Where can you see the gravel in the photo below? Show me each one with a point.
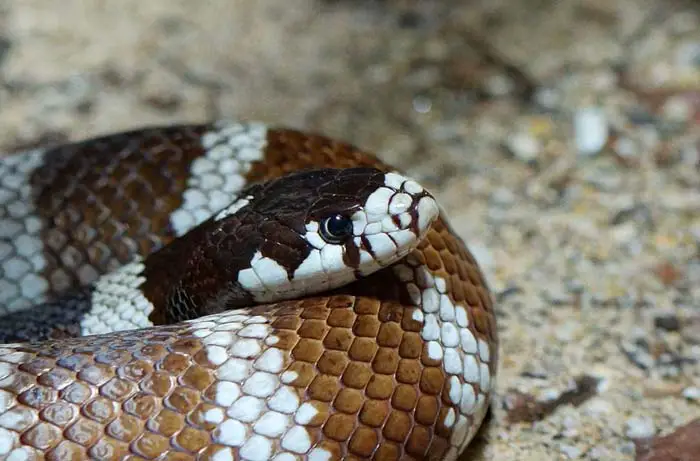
(564, 145)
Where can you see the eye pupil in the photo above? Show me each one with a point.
(336, 228)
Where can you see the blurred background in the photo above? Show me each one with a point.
(562, 137)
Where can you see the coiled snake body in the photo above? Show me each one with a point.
(232, 291)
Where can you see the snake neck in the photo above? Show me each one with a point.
(196, 275)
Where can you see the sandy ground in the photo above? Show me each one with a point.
(561, 136)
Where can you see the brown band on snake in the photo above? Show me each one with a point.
(90, 199)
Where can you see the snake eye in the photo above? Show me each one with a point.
(336, 228)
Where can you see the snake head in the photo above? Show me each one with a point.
(328, 227)
(300, 234)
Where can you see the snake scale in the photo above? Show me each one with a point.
(231, 290)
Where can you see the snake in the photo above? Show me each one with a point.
(234, 290)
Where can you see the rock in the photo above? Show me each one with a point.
(692, 393)
(640, 427)
(668, 322)
(524, 146)
(683, 444)
(591, 130)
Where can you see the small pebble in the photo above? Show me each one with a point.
(503, 197)
(599, 408)
(499, 85)
(524, 146)
(641, 116)
(692, 393)
(667, 322)
(422, 105)
(678, 109)
(640, 427)
(637, 351)
(567, 331)
(688, 56)
(547, 98)
(626, 148)
(550, 394)
(690, 155)
(591, 130)
(627, 448)
(570, 451)
(599, 453)
(604, 178)
(556, 295)
(572, 426)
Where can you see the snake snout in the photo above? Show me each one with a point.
(393, 220)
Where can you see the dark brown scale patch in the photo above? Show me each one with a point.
(333, 363)
(90, 197)
(339, 427)
(351, 256)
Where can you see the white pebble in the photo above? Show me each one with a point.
(524, 146)
(591, 130)
(692, 393)
(570, 451)
(640, 427)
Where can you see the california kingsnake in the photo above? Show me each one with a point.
(242, 244)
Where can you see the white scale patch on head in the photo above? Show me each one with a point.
(465, 358)
(117, 302)
(376, 222)
(21, 244)
(218, 175)
(263, 415)
(267, 280)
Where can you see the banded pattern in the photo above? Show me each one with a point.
(89, 208)
(399, 365)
